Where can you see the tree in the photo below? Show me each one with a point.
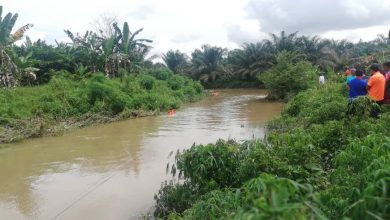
(110, 53)
(10, 74)
(288, 76)
(176, 61)
(207, 63)
(336, 54)
(87, 50)
(283, 41)
(124, 50)
(250, 60)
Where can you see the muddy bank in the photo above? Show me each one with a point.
(18, 130)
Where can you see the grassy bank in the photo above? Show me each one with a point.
(69, 101)
(322, 159)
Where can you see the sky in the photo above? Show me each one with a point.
(187, 24)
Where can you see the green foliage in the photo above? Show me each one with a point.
(362, 107)
(207, 63)
(264, 197)
(161, 73)
(211, 165)
(361, 179)
(176, 82)
(318, 105)
(146, 82)
(174, 198)
(176, 61)
(321, 159)
(64, 98)
(288, 76)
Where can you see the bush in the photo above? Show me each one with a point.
(147, 82)
(174, 198)
(288, 76)
(318, 105)
(265, 197)
(176, 82)
(64, 97)
(161, 73)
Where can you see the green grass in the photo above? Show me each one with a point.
(65, 98)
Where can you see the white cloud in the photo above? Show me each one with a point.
(185, 25)
(318, 16)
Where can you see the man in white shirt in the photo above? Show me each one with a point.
(322, 79)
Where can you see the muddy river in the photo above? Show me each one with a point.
(112, 171)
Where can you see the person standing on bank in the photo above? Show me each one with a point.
(321, 79)
(386, 71)
(357, 86)
(376, 84)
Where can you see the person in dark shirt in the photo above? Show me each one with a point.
(386, 72)
(357, 86)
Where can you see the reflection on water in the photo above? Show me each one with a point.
(112, 171)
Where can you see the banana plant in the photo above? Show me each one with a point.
(132, 50)
(128, 42)
(87, 49)
(10, 74)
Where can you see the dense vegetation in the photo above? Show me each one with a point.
(321, 159)
(219, 67)
(33, 111)
(95, 78)
(117, 47)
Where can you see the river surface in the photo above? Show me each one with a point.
(112, 171)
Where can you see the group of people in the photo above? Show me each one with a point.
(376, 85)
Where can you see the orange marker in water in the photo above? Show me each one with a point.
(171, 112)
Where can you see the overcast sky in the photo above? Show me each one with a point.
(187, 24)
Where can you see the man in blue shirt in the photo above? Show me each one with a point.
(352, 76)
(357, 86)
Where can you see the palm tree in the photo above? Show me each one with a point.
(311, 47)
(207, 63)
(10, 74)
(283, 42)
(252, 59)
(175, 61)
(336, 54)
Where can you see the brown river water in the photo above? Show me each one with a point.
(112, 171)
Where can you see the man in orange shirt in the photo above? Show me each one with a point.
(376, 84)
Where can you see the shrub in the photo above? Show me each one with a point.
(174, 198)
(318, 105)
(288, 76)
(161, 73)
(147, 82)
(211, 165)
(265, 197)
(176, 82)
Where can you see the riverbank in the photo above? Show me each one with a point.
(18, 130)
(322, 159)
(66, 103)
(122, 163)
